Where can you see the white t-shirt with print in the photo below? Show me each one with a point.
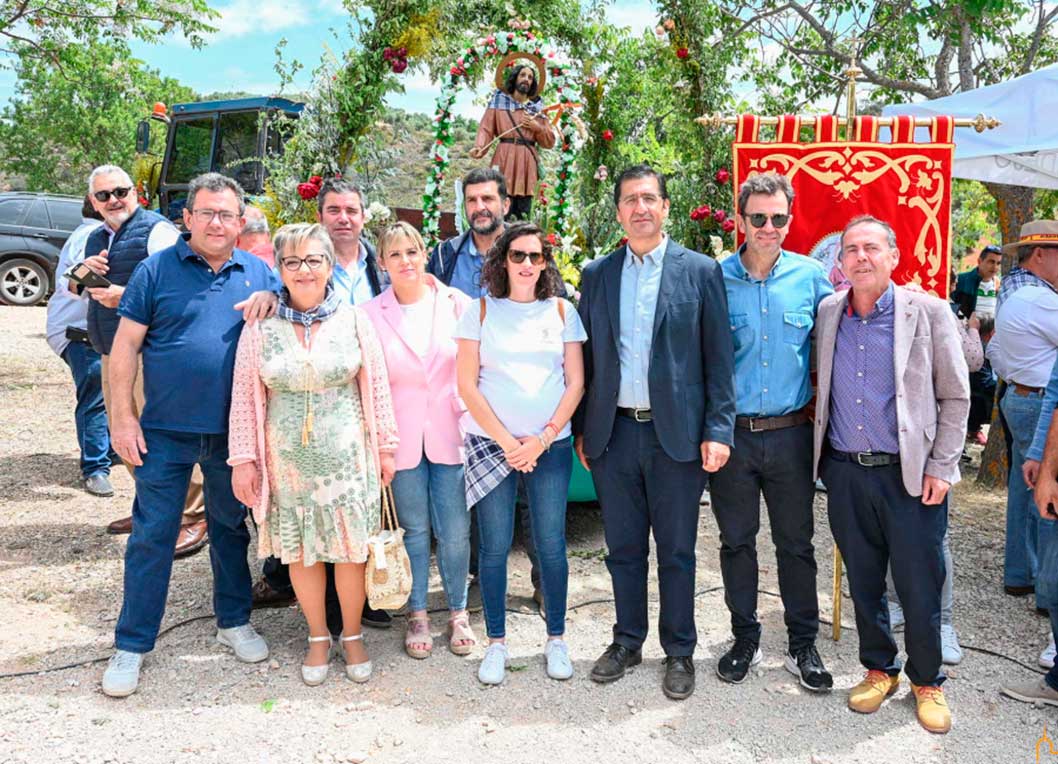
(521, 356)
(986, 297)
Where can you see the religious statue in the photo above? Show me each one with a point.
(516, 124)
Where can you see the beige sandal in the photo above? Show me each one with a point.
(459, 631)
(418, 634)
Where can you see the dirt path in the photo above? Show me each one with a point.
(60, 588)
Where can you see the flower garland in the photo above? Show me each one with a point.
(466, 67)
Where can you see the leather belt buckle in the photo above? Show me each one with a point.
(866, 459)
(753, 425)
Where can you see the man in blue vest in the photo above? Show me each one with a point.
(128, 235)
(177, 309)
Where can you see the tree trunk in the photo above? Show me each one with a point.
(1015, 208)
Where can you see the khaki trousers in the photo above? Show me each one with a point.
(194, 506)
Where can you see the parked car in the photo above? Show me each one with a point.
(33, 228)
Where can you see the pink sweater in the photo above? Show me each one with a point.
(249, 399)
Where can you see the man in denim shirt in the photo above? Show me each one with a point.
(772, 297)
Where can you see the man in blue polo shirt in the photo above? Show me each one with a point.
(178, 309)
(772, 297)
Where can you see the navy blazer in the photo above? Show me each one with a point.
(692, 356)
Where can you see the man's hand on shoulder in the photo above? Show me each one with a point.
(258, 306)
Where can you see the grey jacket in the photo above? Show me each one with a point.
(932, 384)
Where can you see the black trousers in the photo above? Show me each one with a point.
(982, 395)
(875, 521)
(777, 463)
(642, 490)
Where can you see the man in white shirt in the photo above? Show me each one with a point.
(67, 332)
(1022, 352)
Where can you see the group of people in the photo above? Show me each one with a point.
(461, 378)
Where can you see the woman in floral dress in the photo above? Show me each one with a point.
(312, 440)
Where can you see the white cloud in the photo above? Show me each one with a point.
(637, 16)
(247, 17)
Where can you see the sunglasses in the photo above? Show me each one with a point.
(759, 219)
(118, 193)
(518, 256)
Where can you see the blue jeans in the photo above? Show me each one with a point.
(547, 487)
(433, 496)
(161, 490)
(90, 415)
(1047, 597)
(1028, 535)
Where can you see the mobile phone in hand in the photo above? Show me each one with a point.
(84, 276)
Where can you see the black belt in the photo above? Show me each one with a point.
(640, 415)
(866, 458)
(766, 423)
(518, 141)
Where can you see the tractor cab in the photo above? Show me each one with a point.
(231, 137)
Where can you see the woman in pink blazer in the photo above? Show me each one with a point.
(415, 319)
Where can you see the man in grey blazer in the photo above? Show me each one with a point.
(657, 416)
(890, 423)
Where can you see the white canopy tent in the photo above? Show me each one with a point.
(1023, 151)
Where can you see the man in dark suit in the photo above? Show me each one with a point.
(658, 415)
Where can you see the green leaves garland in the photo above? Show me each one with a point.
(467, 67)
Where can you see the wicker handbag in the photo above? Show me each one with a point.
(387, 575)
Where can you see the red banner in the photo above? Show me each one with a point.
(904, 183)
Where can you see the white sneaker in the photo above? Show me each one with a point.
(950, 651)
(249, 646)
(493, 666)
(1047, 656)
(896, 616)
(556, 653)
(122, 676)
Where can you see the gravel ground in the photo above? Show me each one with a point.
(60, 591)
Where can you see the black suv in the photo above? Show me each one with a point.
(33, 228)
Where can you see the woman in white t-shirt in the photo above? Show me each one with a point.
(415, 319)
(521, 376)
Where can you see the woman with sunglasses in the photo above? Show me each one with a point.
(312, 440)
(521, 375)
(415, 319)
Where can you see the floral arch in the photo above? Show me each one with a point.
(468, 66)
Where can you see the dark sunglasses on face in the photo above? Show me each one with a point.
(518, 256)
(293, 264)
(119, 193)
(759, 219)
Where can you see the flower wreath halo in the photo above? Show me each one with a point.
(517, 43)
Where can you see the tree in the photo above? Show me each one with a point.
(61, 123)
(44, 30)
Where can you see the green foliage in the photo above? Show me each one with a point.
(63, 122)
(973, 219)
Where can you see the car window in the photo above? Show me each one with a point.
(65, 216)
(12, 210)
(37, 217)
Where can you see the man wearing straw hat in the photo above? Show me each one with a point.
(1022, 352)
(515, 123)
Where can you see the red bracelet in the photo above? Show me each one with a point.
(553, 426)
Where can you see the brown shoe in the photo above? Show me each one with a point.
(265, 596)
(191, 539)
(119, 527)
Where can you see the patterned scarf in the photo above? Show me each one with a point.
(505, 102)
(323, 311)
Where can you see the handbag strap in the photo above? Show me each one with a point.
(388, 515)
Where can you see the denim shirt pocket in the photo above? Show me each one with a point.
(741, 330)
(796, 326)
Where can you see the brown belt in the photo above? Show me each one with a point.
(1024, 390)
(766, 423)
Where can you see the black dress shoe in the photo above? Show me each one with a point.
(613, 663)
(376, 619)
(1019, 591)
(808, 667)
(735, 663)
(679, 677)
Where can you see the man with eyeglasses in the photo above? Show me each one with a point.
(656, 419)
(772, 296)
(177, 309)
(128, 235)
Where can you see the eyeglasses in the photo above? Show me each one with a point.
(649, 200)
(518, 256)
(759, 219)
(293, 264)
(227, 217)
(118, 193)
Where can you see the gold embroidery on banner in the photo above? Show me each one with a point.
(847, 168)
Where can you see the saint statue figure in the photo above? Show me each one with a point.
(516, 124)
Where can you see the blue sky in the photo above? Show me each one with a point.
(241, 54)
